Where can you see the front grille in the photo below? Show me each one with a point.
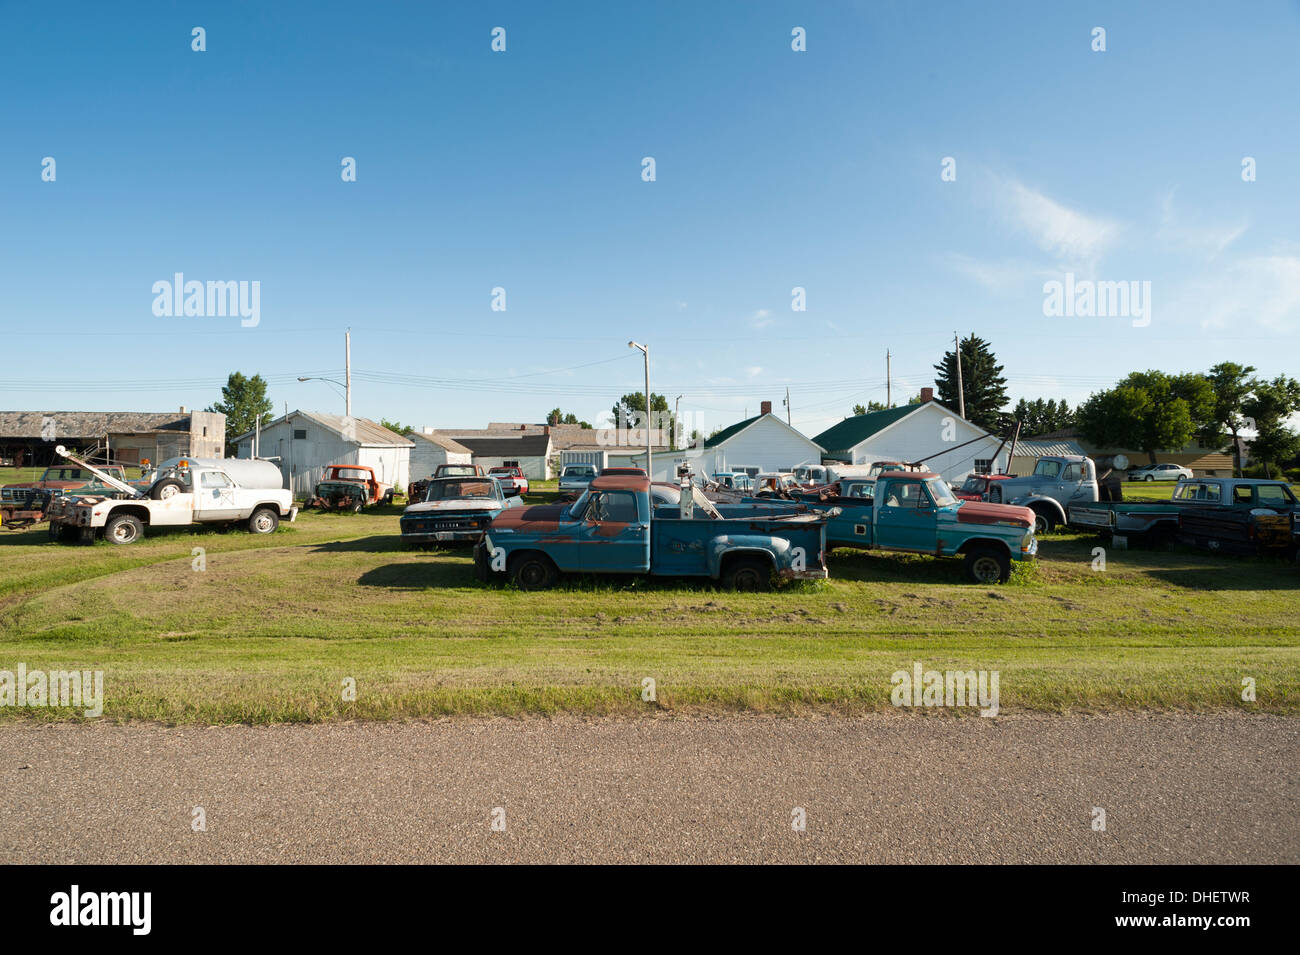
(448, 524)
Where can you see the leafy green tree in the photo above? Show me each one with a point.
(1232, 387)
(630, 409)
(396, 427)
(1148, 411)
(1270, 404)
(1040, 417)
(243, 402)
(559, 417)
(984, 390)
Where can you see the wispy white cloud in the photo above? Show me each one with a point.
(1210, 239)
(1002, 276)
(761, 319)
(1055, 227)
(1261, 290)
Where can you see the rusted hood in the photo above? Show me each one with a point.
(538, 517)
(981, 512)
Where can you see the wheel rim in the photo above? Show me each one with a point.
(171, 490)
(532, 574)
(263, 523)
(987, 569)
(747, 579)
(1040, 525)
(124, 533)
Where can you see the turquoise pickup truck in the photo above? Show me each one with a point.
(623, 525)
(916, 511)
(1163, 519)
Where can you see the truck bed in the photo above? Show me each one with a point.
(693, 548)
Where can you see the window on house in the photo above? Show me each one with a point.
(300, 434)
(983, 465)
(510, 464)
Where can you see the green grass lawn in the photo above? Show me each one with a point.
(272, 627)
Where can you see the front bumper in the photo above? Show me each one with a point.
(819, 573)
(442, 537)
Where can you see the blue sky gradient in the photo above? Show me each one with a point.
(522, 169)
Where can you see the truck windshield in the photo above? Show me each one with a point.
(451, 490)
(351, 474)
(973, 485)
(941, 493)
(581, 470)
(1047, 469)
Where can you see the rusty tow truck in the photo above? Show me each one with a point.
(623, 525)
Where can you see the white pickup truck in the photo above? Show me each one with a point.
(185, 491)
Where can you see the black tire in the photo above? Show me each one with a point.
(123, 529)
(356, 507)
(1149, 477)
(1044, 523)
(167, 487)
(748, 574)
(263, 521)
(534, 571)
(987, 565)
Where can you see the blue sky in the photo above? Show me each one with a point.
(522, 170)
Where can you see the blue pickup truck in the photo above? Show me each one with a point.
(915, 511)
(1208, 498)
(624, 525)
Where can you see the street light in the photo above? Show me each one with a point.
(645, 350)
(331, 381)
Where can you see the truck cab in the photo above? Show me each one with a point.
(1058, 482)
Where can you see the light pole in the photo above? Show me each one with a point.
(645, 350)
(676, 408)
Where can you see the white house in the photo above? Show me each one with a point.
(928, 432)
(529, 452)
(764, 441)
(432, 449)
(305, 443)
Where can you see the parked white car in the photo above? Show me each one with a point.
(1161, 472)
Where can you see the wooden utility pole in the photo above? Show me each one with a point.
(787, 406)
(961, 394)
(889, 399)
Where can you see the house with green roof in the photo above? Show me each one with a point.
(927, 432)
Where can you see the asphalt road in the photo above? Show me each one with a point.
(889, 788)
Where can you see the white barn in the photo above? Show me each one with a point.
(928, 432)
(432, 449)
(764, 441)
(305, 443)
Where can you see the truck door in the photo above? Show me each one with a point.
(214, 498)
(614, 536)
(905, 517)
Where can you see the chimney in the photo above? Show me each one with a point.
(765, 407)
(927, 394)
(183, 411)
